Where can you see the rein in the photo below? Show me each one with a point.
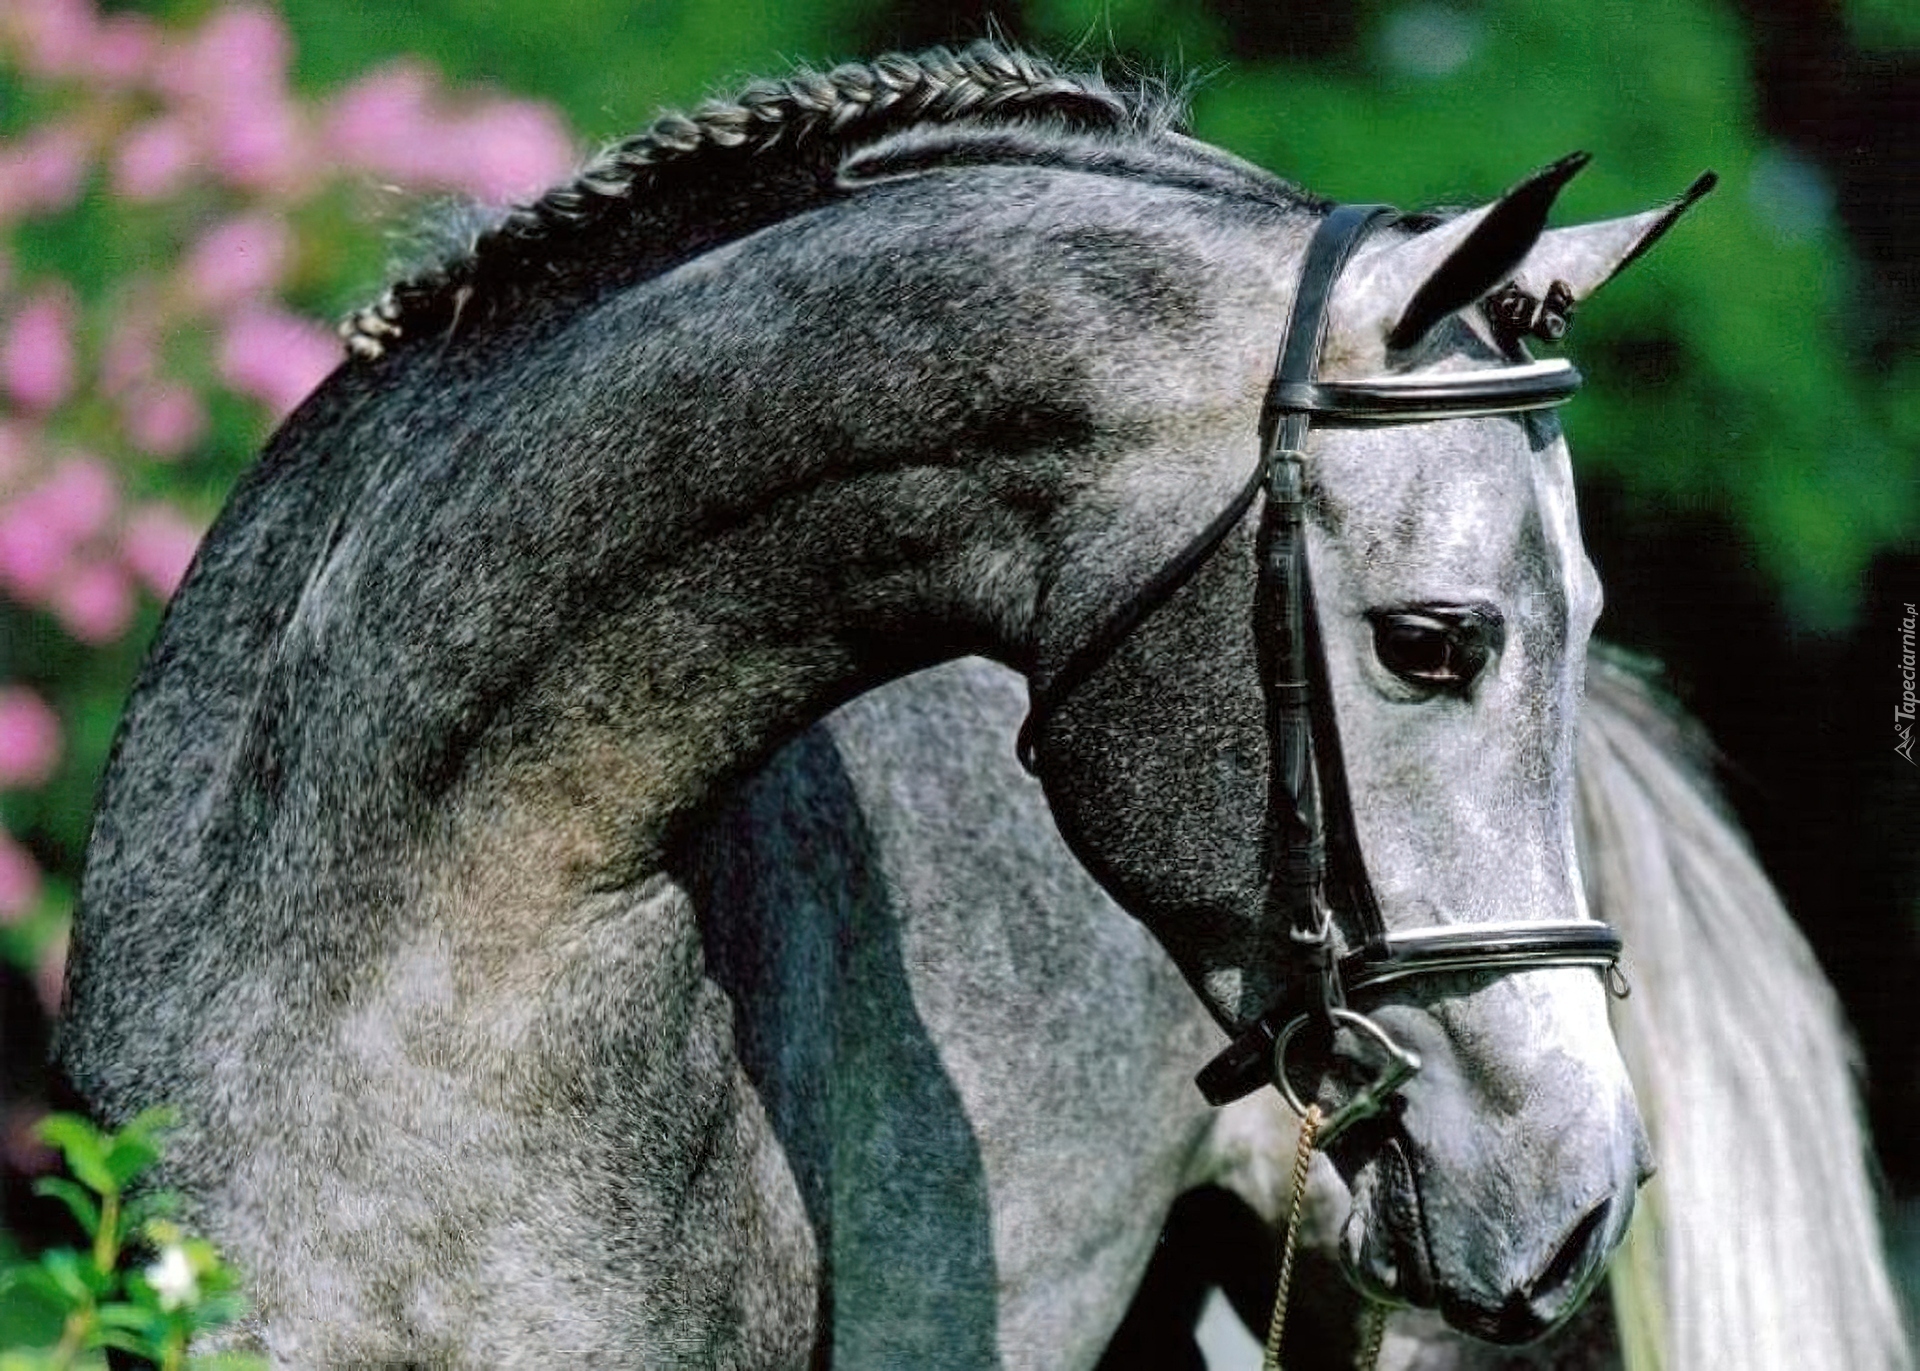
(1316, 875)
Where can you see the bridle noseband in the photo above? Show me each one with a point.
(1315, 870)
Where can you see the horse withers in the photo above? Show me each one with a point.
(391, 891)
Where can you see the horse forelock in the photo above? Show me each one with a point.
(480, 265)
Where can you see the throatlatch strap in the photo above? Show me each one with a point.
(1086, 658)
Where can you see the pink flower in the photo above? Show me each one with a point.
(164, 419)
(242, 257)
(258, 145)
(41, 530)
(123, 48)
(33, 556)
(36, 356)
(155, 159)
(95, 603)
(275, 356)
(29, 738)
(388, 123)
(56, 34)
(240, 50)
(158, 546)
(78, 499)
(43, 172)
(381, 122)
(132, 353)
(514, 149)
(19, 880)
(232, 76)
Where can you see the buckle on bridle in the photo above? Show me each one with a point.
(1313, 955)
(1398, 1066)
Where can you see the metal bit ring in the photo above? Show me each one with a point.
(1401, 1063)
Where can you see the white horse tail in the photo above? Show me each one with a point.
(1758, 1247)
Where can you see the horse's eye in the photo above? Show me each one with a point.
(1437, 647)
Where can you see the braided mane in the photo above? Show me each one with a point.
(811, 113)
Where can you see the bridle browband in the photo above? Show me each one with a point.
(1315, 870)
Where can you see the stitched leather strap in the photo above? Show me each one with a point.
(1309, 819)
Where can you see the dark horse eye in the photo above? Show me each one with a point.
(1438, 647)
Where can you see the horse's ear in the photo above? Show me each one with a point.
(1572, 263)
(1493, 242)
(1397, 291)
(1399, 287)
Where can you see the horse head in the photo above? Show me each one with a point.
(1451, 601)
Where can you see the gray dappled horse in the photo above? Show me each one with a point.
(906, 813)
(404, 889)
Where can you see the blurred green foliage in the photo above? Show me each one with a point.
(607, 63)
(1723, 368)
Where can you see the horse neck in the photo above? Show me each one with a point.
(619, 577)
(598, 566)
(724, 625)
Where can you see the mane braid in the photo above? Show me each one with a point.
(831, 112)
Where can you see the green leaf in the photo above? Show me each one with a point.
(122, 1341)
(152, 1122)
(31, 1308)
(37, 1283)
(150, 1322)
(73, 1280)
(83, 1146)
(77, 1198)
(129, 1155)
(26, 1360)
(149, 1128)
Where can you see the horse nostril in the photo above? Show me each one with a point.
(1550, 1298)
(1574, 1264)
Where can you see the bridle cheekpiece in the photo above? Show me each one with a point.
(1315, 871)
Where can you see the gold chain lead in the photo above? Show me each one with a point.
(1302, 1158)
(1374, 1325)
(1373, 1329)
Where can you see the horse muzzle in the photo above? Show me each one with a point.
(1498, 1207)
(1525, 1294)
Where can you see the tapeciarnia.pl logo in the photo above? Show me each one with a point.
(1903, 712)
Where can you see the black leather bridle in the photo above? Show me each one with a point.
(1315, 871)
